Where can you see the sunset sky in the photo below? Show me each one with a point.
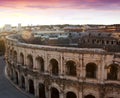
(59, 12)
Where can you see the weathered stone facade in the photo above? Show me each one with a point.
(63, 72)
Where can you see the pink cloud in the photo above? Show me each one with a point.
(73, 4)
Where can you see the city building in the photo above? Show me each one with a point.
(7, 28)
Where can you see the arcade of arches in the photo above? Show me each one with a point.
(55, 73)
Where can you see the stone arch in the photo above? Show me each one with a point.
(91, 70)
(54, 92)
(71, 68)
(40, 63)
(89, 96)
(23, 82)
(42, 90)
(112, 72)
(55, 85)
(91, 91)
(30, 61)
(21, 58)
(54, 67)
(71, 95)
(31, 86)
(71, 89)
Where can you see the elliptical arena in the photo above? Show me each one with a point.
(64, 72)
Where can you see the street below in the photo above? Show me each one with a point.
(7, 90)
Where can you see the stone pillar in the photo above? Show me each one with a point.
(78, 70)
(80, 67)
(105, 73)
(80, 94)
(46, 63)
(36, 88)
(61, 94)
(14, 76)
(25, 59)
(61, 66)
(18, 56)
(34, 63)
(102, 92)
(103, 70)
(47, 91)
(19, 80)
(118, 73)
(84, 71)
(98, 74)
(83, 67)
(26, 84)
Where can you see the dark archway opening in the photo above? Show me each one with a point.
(71, 68)
(22, 58)
(40, 63)
(15, 56)
(31, 87)
(54, 93)
(89, 96)
(42, 91)
(91, 70)
(71, 95)
(112, 72)
(16, 78)
(23, 82)
(30, 61)
(54, 65)
(11, 75)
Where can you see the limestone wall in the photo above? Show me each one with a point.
(63, 72)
